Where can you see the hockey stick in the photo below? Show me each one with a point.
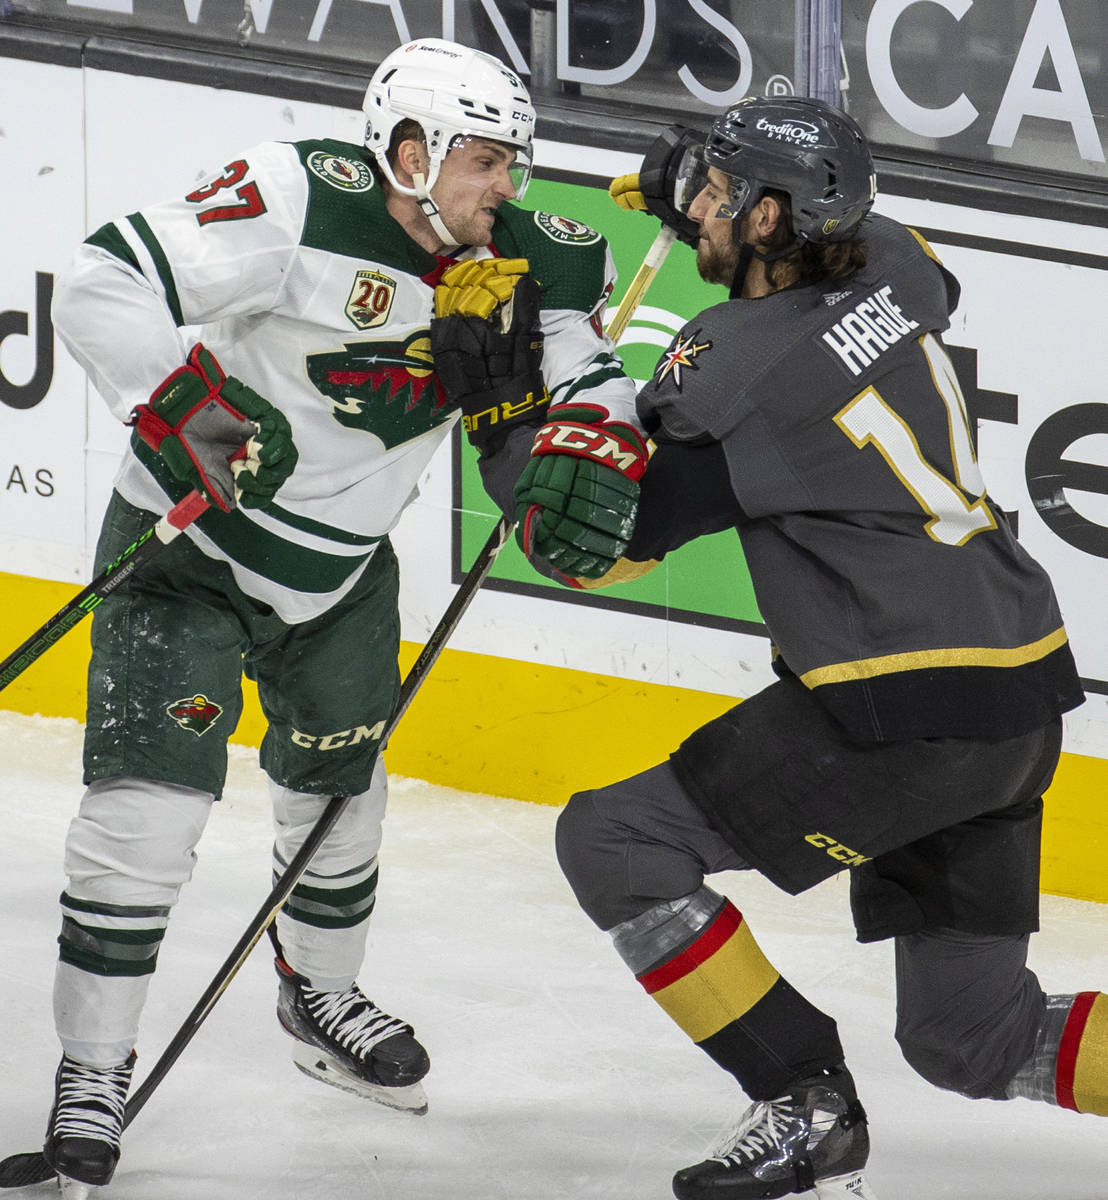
(638, 286)
(140, 551)
(193, 505)
(418, 672)
(23, 1170)
(290, 877)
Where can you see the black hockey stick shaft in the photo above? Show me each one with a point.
(116, 573)
(289, 878)
(435, 644)
(23, 1170)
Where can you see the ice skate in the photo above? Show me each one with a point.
(812, 1142)
(345, 1040)
(86, 1123)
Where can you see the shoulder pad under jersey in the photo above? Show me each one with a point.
(700, 384)
(568, 258)
(740, 354)
(891, 245)
(346, 208)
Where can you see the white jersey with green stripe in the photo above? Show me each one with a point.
(290, 269)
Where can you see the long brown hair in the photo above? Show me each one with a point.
(813, 261)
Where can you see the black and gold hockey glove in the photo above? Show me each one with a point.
(654, 187)
(487, 343)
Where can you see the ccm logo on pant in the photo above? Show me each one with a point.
(336, 741)
(844, 854)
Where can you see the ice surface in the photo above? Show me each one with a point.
(553, 1077)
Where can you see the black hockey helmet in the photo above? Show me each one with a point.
(815, 153)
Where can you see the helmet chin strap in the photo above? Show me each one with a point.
(431, 211)
(747, 253)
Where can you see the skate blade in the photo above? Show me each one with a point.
(314, 1063)
(851, 1186)
(74, 1189)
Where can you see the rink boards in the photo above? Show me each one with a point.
(543, 692)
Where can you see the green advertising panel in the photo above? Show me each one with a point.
(705, 582)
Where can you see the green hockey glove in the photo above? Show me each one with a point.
(577, 497)
(217, 435)
(656, 186)
(487, 343)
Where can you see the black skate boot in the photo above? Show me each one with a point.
(86, 1122)
(345, 1040)
(812, 1141)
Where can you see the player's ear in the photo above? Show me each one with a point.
(768, 215)
(411, 157)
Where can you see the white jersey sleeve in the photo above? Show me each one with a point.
(222, 250)
(114, 323)
(580, 361)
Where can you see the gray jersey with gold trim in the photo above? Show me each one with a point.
(889, 581)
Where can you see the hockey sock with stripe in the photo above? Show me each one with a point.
(1069, 1065)
(719, 987)
(1081, 1077)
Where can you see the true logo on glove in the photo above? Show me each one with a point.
(505, 411)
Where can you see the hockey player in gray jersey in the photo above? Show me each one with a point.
(306, 274)
(923, 661)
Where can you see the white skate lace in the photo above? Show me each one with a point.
(351, 1019)
(91, 1102)
(760, 1129)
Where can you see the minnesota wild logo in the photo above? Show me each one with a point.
(562, 229)
(387, 388)
(195, 713)
(347, 174)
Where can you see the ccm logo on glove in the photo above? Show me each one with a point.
(598, 443)
(578, 494)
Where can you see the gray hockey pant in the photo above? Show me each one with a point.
(969, 1011)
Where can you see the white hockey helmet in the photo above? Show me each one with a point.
(451, 91)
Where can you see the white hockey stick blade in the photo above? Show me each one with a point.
(313, 1062)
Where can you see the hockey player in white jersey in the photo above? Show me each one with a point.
(306, 274)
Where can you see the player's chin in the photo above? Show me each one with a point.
(483, 222)
(705, 260)
(712, 266)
